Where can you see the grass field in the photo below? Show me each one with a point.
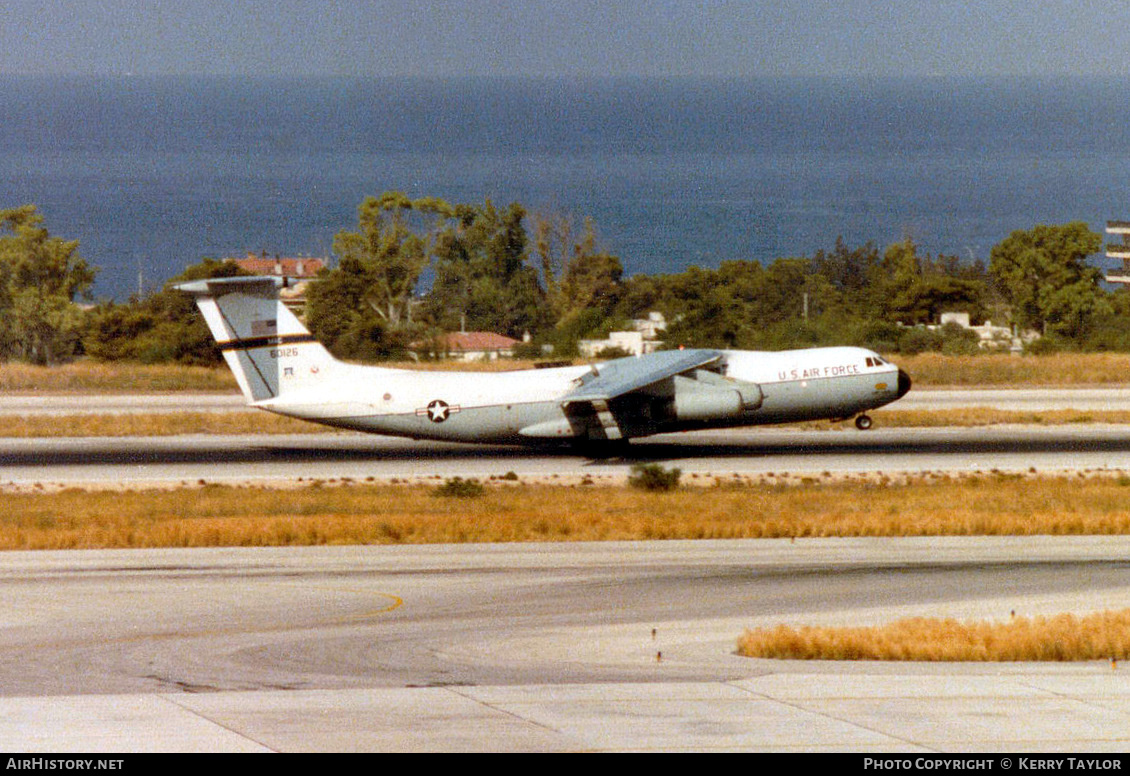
(91, 377)
(769, 506)
(152, 424)
(1098, 636)
(1058, 369)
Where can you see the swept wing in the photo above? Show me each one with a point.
(624, 375)
(630, 396)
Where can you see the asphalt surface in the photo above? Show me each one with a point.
(706, 455)
(557, 647)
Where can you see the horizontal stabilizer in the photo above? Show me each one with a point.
(261, 284)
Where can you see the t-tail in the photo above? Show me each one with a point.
(267, 347)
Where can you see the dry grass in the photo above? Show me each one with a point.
(92, 377)
(1104, 635)
(369, 513)
(1077, 369)
(152, 424)
(990, 416)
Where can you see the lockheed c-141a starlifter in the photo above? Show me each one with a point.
(281, 368)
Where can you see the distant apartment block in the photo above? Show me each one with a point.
(643, 338)
(1119, 250)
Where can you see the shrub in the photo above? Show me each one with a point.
(615, 351)
(918, 339)
(653, 477)
(457, 487)
(959, 341)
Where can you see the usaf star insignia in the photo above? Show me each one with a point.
(438, 411)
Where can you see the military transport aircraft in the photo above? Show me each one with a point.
(283, 369)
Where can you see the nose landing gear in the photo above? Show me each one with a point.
(863, 422)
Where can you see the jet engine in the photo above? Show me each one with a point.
(707, 395)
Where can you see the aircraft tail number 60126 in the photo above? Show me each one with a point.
(281, 368)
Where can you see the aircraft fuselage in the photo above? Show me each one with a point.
(502, 407)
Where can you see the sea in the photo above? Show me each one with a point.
(151, 174)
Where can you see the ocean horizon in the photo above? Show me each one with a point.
(152, 174)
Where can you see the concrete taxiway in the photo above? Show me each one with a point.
(582, 647)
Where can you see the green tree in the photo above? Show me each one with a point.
(163, 327)
(365, 307)
(553, 247)
(483, 278)
(914, 289)
(853, 275)
(340, 316)
(590, 278)
(389, 254)
(1043, 275)
(40, 278)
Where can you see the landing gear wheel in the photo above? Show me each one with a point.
(863, 422)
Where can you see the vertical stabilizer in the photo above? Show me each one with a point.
(267, 347)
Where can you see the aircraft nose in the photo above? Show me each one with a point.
(904, 383)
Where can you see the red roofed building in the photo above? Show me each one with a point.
(472, 345)
(303, 267)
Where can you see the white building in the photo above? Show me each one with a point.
(991, 337)
(644, 338)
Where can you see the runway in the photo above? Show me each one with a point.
(744, 452)
(705, 455)
(582, 647)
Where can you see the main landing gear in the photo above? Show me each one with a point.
(863, 422)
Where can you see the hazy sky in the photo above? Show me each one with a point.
(565, 37)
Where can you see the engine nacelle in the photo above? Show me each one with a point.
(707, 395)
(707, 403)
